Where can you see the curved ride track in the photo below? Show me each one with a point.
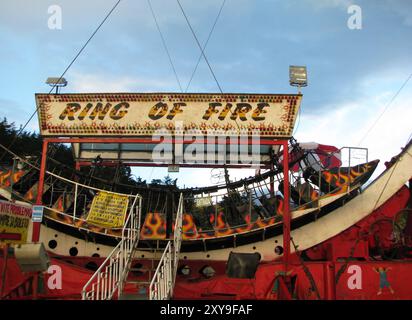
(305, 236)
(307, 230)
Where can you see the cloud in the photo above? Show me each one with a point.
(348, 124)
(324, 4)
(351, 73)
(401, 8)
(31, 16)
(103, 82)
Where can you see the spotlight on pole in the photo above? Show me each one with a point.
(56, 82)
(298, 76)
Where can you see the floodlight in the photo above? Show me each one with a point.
(298, 76)
(32, 257)
(56, 82)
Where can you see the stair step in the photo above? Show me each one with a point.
(140, 269)
(138, 281)
(159, 250)
(133, 296)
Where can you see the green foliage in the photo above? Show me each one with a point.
(30, 144)
(27, 143)
(167, 181)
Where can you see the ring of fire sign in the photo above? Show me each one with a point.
(136, 114)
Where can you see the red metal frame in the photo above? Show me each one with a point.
(19, 292)
(36, 225)
(110, 163)
(4, 271)
(272, 181)
(284, 143)
(286, 211)
(267, 142)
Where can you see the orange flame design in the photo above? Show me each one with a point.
(31, 194)
(188, 227)
(260, 223)
(249, 226)
(222, 228)
(6, 177)
(314, 195)
(279, 207)
(212, 218)
(59, 204)
(154, 227)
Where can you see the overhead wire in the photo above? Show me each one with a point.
(205, 45)
(200, 47)
(204, 56)
(164, 44)
(62, 75)
(385, 109)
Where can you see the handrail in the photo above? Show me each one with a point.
(21, 159)
(177, 236)
(85, 186)
(78, 188)
(162, 284)
(112, 273)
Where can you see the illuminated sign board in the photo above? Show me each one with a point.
(144, 114)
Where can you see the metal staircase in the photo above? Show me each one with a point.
(109, 281)
(162, 284)
(110, 278)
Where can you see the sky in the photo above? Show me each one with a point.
(353, 74)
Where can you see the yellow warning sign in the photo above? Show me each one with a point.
(108, 210)
(14, 222)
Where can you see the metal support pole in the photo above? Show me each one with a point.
(329, 281)
(75, 201)
(13, 170)
(36, 225)
(286, 212)
(169, 213)
(215, 221)
(272, 180)
(77, 168)
(250, 206)
(4, 271)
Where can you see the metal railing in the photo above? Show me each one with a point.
(177, 236)
(109, 279)
(162, 284)
(78, 188)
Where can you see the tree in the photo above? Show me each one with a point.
(60, 157)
